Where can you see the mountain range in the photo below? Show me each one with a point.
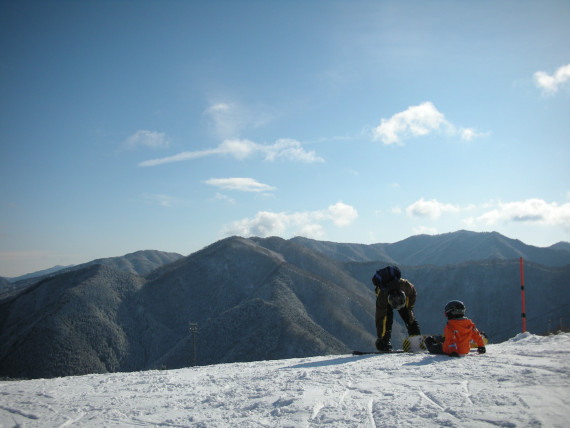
(446, 249)
(138, 263)
(268, 298)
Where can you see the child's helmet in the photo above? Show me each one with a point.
(397, 298)
(454, 309)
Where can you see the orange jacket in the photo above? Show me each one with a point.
(458, 334)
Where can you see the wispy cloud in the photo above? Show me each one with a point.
(145, 138)
(224, 120)
(241, 149)
(306, 223)
(418, 121)
(161, 200)
(550, 83)
(228, 120)
(288, 149)
(529, 211)
(396, 210)
(432, 209)
(225, 198)
(242, 184)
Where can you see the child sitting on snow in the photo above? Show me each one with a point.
(458, 332)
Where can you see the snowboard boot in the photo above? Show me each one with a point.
(384, 345)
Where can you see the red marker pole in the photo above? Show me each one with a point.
(522, 292)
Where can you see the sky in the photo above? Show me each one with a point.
(168, 125)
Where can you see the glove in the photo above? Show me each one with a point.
(413, 327)
(481, 349)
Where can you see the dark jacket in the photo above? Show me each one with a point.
(382, 303)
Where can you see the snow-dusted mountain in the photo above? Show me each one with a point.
(253, 299)
(250, 303)
(445, 249)
(138, 263)
(522, 382)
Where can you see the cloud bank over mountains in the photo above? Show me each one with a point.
(303, 223)
(531, 210)
(311, 223)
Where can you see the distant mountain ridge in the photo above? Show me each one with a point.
(138, 263)
(264, 298)
(445, 249)
(40, 273)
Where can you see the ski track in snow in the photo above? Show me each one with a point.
(519, 383)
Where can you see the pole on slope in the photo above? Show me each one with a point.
(522, 293)
(193, 331)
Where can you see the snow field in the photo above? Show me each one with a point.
(519, 383)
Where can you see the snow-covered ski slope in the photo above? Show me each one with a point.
(519, 383)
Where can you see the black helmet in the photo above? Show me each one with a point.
(397, 298)
(454, 309)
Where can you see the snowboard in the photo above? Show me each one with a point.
(394, 351)
(416, 343)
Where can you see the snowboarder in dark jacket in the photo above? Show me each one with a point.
(393, 292)
(458, 333)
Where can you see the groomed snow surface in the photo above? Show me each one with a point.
(519, 383)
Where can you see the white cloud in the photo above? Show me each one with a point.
(314, 231)
(550, 83)
(264, 224)
(529, 211)
(342, 214)
(467, 134)
(241, 149)
(418, 121)
(145, 138)
(290, 150)
(425, 230)
(432, 209)
(178, 158)
(305, 223)
(242, 184)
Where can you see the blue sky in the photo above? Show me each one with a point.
(167, 125)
